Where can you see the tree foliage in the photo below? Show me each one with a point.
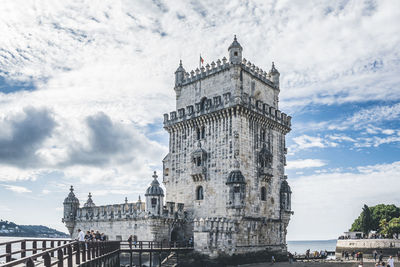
(390, 227)
(366, 220)
(378, 213)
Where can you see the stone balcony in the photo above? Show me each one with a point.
(198, 173)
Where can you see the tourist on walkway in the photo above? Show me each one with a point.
(290, 257)
(390, 261)
(130, 239)
(81, 235)
(375, 254)
(272, 260)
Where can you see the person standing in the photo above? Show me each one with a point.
(390, 261)
(272, 260)
(130, 239)
(380, 256)
(81, 235)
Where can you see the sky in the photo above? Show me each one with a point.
(84, 85)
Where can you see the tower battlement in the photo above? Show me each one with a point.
(218, 103)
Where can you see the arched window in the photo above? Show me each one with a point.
(263, 193)
(153, 202)
(203, 132)
(198, 133)
(262, 135)
(203, 104)
(199, 193)
(198, 161)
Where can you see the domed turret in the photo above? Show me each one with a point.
(274, 75)
(89, 203)
(235, 52)
(154, 189)
(154, 197)
(179, 74)
(71, 205)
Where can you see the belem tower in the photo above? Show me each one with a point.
(224, 174)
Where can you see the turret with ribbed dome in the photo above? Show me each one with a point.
(154, 197)
(235, 52)
(179, 74)
(71, 205)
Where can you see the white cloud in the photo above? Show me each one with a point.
(304, 163)
(10, 173)
(306, 142)
(16, 189)
(326, 204)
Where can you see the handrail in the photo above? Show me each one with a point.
(74, 251)
(35, 256)
(34, 239)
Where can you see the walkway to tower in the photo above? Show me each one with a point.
(63, 252)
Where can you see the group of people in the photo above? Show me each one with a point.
(91, 236)
(316, 254)
(354, 255)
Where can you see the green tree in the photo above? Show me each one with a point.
(378, 213)
(366, 220)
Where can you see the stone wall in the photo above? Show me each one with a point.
(146, 229)
(367, 246)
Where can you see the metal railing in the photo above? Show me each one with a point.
(69, 253)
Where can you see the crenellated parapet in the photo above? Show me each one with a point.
(127, 211)
(111, 212)
(218, 103)
(223, 65)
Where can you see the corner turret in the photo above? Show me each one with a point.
(235, 52)
(71, 205)
(179, 74)
(154, 197)
(274, 75)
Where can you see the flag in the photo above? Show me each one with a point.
(201, 60)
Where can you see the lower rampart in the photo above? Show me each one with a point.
(367, 246)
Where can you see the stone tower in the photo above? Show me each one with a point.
(71, 205)
(227, 155)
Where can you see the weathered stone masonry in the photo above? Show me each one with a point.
(224, 173)
(227, 156)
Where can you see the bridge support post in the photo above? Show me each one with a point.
(29, 263)
(77, 255)
(52, 246)
(23, 249)
(83, 251)
(159, 259)
(34, 247)
(47, 260)
(60, 257)
(8, 251)
(130, 258)
(151, 259)
(140, 259)
(69, 251)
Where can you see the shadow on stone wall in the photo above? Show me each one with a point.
(195, 259)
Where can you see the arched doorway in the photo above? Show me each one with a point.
(177, 236)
